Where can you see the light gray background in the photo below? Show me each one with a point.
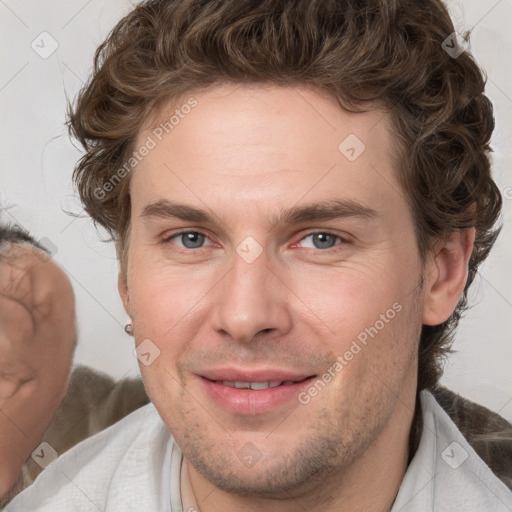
(37, 158)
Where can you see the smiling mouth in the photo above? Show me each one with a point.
(251, 395)
(257, 386)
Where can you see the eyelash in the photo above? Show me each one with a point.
(166, 240)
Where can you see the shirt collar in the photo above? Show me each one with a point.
(445, 472)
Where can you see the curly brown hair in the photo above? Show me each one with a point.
(387, 53)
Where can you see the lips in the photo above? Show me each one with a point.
(253, 375)
(255, 385)
(253, 392)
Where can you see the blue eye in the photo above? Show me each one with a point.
(190, 239)
(323, 239)
(194, 240)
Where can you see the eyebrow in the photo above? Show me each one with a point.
(321, 211)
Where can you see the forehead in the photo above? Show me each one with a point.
(15, 272)
(265, 144)
(21, 254)
(18, 261)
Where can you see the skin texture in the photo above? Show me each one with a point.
(37, 341)
(244, 153)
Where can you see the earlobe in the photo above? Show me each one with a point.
(447, 279)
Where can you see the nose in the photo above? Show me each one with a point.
(251, 300)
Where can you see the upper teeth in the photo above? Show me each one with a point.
(256, 385)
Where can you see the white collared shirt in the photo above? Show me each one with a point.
(134, 465)
(446, 474)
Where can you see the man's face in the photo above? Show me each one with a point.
(251, 297)
(37, 341)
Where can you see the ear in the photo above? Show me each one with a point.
(447, 276)
(122, 286)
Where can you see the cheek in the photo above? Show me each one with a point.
(166, 306)
(348, 299)
(162, 299)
